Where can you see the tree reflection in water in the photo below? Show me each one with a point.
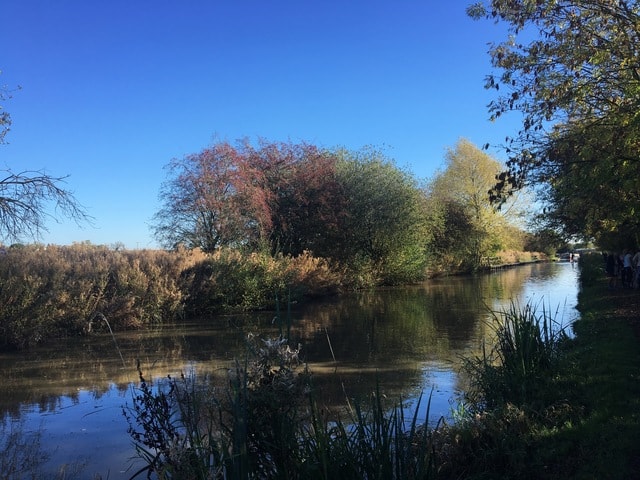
(408, 340)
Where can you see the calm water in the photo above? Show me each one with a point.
(408, 340)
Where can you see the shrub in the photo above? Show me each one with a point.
(591, 269)
(231, 281)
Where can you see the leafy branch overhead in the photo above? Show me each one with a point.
(571, 68)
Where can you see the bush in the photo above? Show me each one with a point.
(591, 269)
(231, 281)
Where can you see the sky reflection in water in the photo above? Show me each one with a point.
(409, 340)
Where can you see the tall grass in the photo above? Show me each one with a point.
(53, 291)
(265, 423)
(522, 362)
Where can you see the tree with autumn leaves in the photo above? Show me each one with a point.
(467, 229)
(280, 196)
(355, 208)
(358, 209)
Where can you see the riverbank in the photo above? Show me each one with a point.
(582, 421)
(604, 363)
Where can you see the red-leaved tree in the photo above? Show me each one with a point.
(281, 195)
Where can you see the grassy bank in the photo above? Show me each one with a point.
(582, 419)
(605, 367)
(601, 381)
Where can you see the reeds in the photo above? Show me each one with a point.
(48, 292)
(265, 423)
(522, 362)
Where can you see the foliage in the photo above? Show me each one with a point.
(282, 195)
(588, 424)
(593, 189)
(571, 69)
(525, 357)
(306, 203)
(383, 234)
(190, 429)
(449, 245)
(544, 240)
(211, 199)
(54, 291)
(228, 280)
(468, 228)
(592, 266)
(265, 424)
(357, 209)
(512, 257)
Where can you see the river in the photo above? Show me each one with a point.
(67, 398)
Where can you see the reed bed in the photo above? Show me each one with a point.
(53, 291)
(524, 358)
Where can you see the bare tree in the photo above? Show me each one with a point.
(25, 196)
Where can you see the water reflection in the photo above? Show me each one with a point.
(407, 340)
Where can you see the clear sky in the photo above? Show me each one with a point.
(112, 90)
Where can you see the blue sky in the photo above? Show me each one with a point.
(112, 90)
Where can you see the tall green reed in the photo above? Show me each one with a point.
(522, 362)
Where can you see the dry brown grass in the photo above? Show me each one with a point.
(69, 290)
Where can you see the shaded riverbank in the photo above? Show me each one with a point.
(589, 425)
(606, 355)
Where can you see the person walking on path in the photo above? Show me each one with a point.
(627, 269)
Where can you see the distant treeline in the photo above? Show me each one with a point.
(245, 228)
(357, 208)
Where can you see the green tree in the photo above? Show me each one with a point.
(449, 244)
(594, 191)
(572, 69)
(384, 227)
(458, 194)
